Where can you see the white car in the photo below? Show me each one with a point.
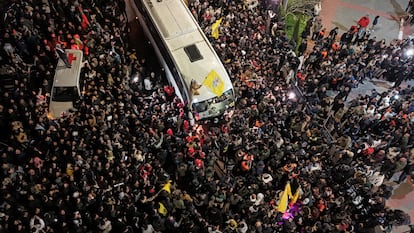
(66, 86)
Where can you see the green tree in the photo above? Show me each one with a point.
(296, 13)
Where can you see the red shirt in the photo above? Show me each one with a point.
(363, 22)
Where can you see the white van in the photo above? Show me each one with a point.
(66, 90)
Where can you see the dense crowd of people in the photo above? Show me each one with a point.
(129, 159)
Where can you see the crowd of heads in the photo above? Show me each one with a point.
(129, 159)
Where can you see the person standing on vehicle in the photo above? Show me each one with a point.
(62, 55)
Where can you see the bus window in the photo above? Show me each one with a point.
(201, 106)
(64, 94)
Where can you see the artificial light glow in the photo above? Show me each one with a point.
(409, 52)
(135, 78)
(291, 95)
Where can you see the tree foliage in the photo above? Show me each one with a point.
(299, 7)
(297, 12)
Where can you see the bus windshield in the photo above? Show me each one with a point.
(201, 106)
(64, 94)
(227, 97)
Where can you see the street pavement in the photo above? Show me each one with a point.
(344, 14)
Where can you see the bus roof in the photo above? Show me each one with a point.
(193, 54)
(170, 21)
(69, 77)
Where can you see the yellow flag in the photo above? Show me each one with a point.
(162, 210)
(167, 187)
(295, 197)
(214, 82)
(215, 28)
(283, 203)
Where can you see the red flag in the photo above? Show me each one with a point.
(86, 50)
(85, 21)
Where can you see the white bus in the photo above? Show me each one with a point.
(66, 89)
(190, 62)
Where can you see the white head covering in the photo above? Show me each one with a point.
(266, 177)
(376, 179)
(259, 198)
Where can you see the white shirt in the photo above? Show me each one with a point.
(147, 84)
(149, 229)
(376, 179)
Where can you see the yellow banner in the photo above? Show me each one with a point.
(214, 82)
(283, 202)
(295, 197)
(162, 210)
(167, 187)
(215, 28)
